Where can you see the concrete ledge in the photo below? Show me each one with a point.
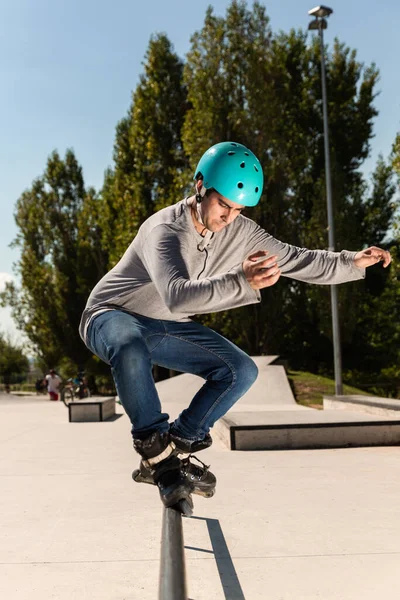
(373, 405)
(92, 409)
(293, 430)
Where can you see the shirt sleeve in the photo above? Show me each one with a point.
(311, 266)
(162, 254)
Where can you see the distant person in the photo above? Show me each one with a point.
(198, 256)
(53, 382)
(80, 381)
(39, 386)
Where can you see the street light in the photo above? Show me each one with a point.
(319, 23)
(319, 12)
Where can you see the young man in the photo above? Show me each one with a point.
(52, 381)
(195, 257)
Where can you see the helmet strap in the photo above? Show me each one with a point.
(200, 194)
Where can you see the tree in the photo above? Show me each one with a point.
(240, 81)
(148, 152)
(396, 155)
(61, 260)
(264, 90)
(13, 361)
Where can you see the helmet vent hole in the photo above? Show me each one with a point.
(231, 153)
(243, 164)
(256, 190)
(233, 144)
(240, 185)
(255, 168)
(246, 154)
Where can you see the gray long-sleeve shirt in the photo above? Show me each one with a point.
(170, 272)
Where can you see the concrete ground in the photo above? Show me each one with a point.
(284, 525)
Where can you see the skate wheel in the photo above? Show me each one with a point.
(135, 473)
(185, 506)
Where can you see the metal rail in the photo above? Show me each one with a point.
(172, 567)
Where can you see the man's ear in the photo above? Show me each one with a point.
(199, 185)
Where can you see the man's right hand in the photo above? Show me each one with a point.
(260, 271)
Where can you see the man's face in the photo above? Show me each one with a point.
(218, 212)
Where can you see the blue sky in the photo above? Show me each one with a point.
(68, 69)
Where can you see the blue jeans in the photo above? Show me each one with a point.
(131, 344)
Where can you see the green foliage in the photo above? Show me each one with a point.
(239, 81)
(61, 260)
(222, 78)
(13, 361)
(396, 154)
(148, 151)
(264, 90)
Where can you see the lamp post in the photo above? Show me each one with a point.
(319, 23)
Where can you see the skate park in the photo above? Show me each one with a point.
(105, 119)
(313, 516)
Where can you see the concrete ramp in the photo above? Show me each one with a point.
(271, 389)
(268, 417)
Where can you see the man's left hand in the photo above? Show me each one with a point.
(371, 256)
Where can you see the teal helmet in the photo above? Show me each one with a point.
(233, 171)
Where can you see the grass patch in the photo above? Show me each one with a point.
(308, 389)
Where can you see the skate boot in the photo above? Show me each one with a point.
(188, 446)
(202, 480)
(167, 472)
(197, 475)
